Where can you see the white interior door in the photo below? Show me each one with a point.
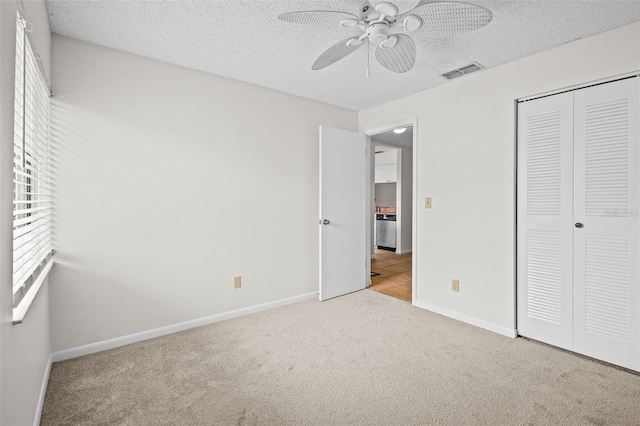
(343, 212)
(545, 219)
(607, 205)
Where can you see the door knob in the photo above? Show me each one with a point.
(579, 225)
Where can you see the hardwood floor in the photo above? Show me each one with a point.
(395, 274)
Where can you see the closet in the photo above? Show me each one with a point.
(578, 221)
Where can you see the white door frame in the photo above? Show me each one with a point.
(413, 122)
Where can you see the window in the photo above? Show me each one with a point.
(31, 175)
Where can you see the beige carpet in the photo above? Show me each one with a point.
(364, 358)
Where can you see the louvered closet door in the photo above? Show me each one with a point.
(607, 190)
(545, 204)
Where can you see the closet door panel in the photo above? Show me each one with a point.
(607, 203)
(545, 180)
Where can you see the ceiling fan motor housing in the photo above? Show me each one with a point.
(378, 32)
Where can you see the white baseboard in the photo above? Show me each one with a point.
(43, 392)
(174, 328)
(469, 320)
(406, 251)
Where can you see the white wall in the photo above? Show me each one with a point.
(405, 199)
(170, 183)
(466, 138)
(24, 348)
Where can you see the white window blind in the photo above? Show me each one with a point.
(31, 171)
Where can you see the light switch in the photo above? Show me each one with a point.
(427, 203)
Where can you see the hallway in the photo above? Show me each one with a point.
(394, 277)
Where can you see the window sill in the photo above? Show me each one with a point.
(21, 310)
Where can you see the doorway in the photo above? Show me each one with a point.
(392, 166)
(391, 274)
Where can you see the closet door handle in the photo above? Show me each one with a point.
(579, 225)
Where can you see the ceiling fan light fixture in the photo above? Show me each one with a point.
(411, 23)
(389, 42)
(387, 9)
(352, 42)
(401, 130)
(348, 23)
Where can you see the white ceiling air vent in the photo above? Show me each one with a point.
(468, 69)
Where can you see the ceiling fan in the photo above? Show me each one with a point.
(385, 26)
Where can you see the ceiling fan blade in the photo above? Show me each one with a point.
(400, 57)
(335, 53)
(416, 3)
(323, 18)
(448, 18)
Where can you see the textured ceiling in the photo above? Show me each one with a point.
(243, 40)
